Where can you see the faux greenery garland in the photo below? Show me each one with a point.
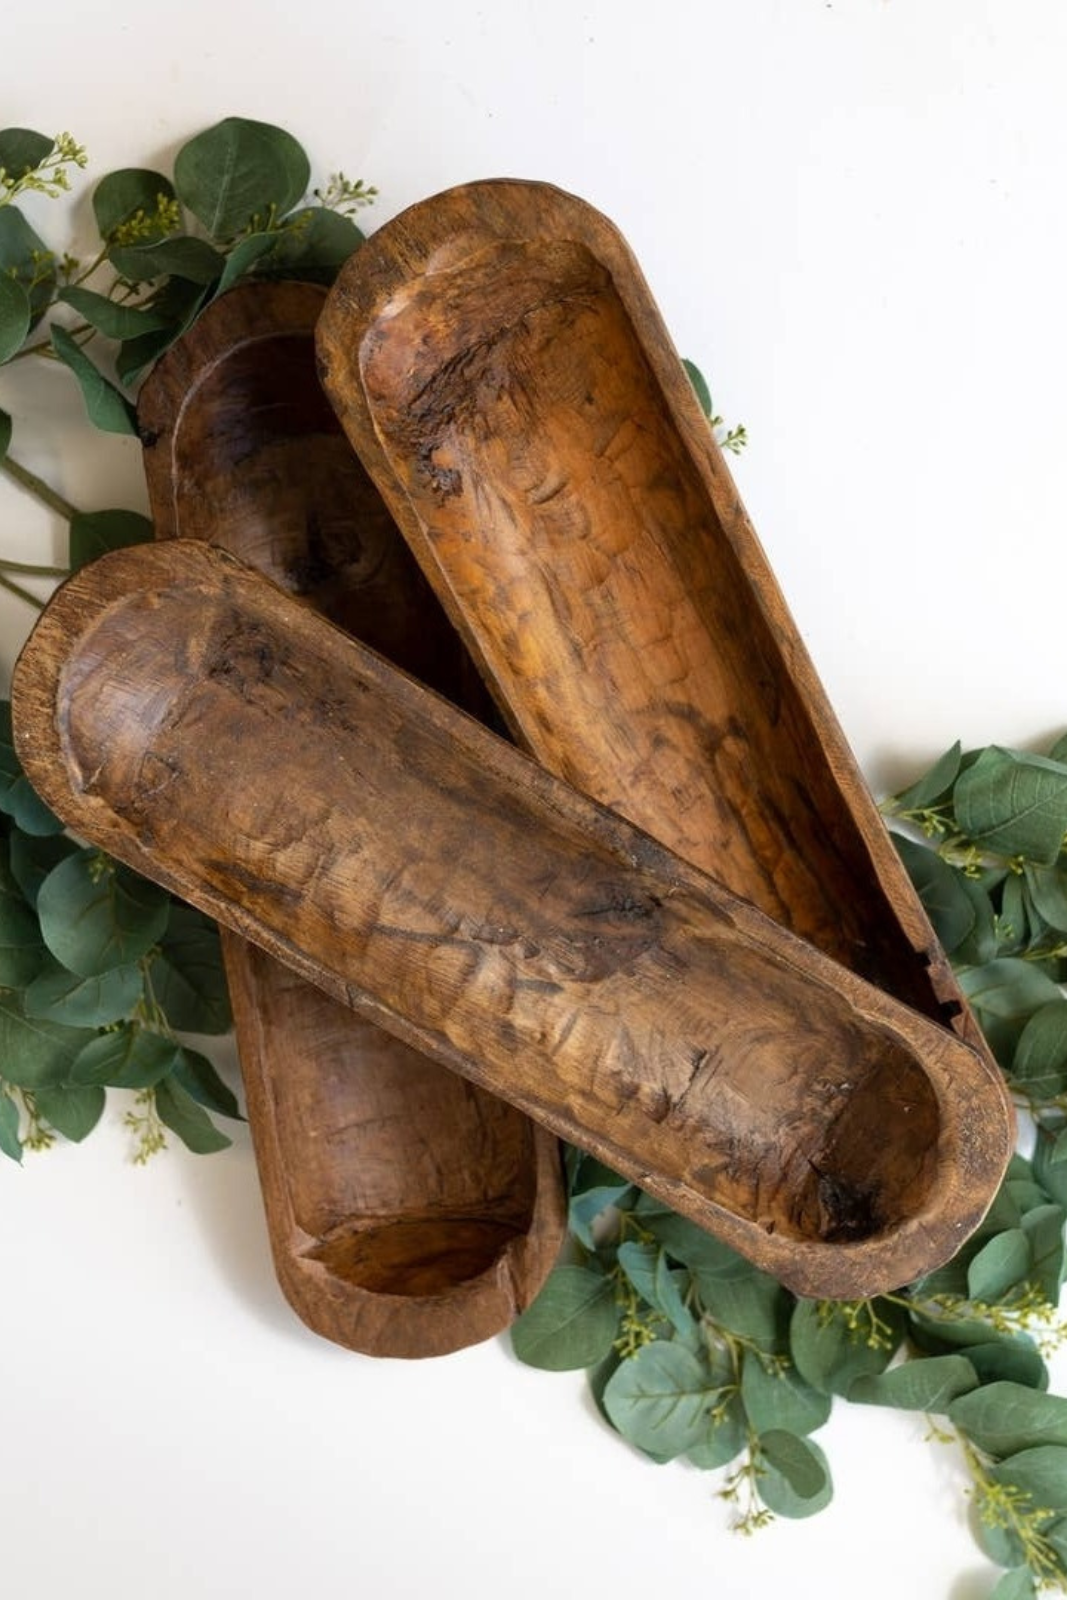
(693, 1353)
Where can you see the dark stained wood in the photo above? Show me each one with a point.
(190, 718)
(410, 1212)
(499, 364)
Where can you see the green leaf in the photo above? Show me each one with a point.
(941, 890)
(1048, 891)
(1040, 1472)
(22, 953)
(688, 1244)
(1004, 1418)
(113, 320)
(60, 996)
(781, 1399)
(571, 1324)
(180, 1113)
(188, 979)
(5, 433)
(925, 1383)
(1043, 1227)
(314, 245)
(1018, 1584)
(755, 1306)
(179, 302)
(108, 410)
(129, 1057)
(593, 1187)
(1011, 1361)
(647, 1268)
(95, 915)
(700, 386)
(21, 151)
(15, 317)
(34, 1054)
(93, 533)
(724, 1439)
(934, 785)
(72, 1109)
(34, 856)
(198, 1078)
(795, 1481)
(238, 174)
(17, 796)
(10, 1143)
(999, 1265)
(181, 256)
(1039, 1064)
(25, 257)
(1014, 803)
(119, 196)
(1003, 994)
(244, 256)
(661, 1399)
(1050, 1162)
(830, 1356)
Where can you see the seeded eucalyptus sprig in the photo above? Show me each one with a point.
(696, 1354)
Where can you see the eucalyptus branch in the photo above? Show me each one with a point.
(20, 593)
(36, 486)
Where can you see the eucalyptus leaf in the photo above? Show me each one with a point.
(130, 192)
(1004, 1418)
(999, 1265)
(927, 1383)
(1014, 928)
(25, 257)
(1043, 1227)
(1004, 993)
(1014, 803)
(188, 979)
(22, 953)
(129, 1057)
(179, 256)
(96, 915)
(688, 1244)
(725, 1437)
(108, 409)
(33, 857)
(781, 1398)
(57, 995)
(982, 944)
(1039, 1064)
(795, 1480)
(831, 1356)
(661, 1399)
(72, 1109)
(15, 317)
(314, 245)
(1048, 891)
(593, 1187)
(934, 785)
(1011, 1361)
(5, 433)
(1039, 1471)
(239, 174)
(10, 1143)
(179, 302)
(245, 255)
(22, 150)
(941, 890)
(700, 386)
(755, 1306)
(34, 1054)
(94, 533)
(182, 1115)
(17, 796)
(1050, 1162)
(1018, 1584)
(198, 1078)
(572, 1322)
(109, 317)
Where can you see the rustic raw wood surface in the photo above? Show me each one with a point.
(409, 1211)
(192, 719)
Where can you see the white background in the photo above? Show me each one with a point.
(852, 214)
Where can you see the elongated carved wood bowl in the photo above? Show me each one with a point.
(188, 716)
(409, 1211)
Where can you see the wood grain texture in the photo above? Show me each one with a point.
(186, 715)
(410, 1212)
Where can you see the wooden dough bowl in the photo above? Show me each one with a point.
(186, 715)
(409, 1211)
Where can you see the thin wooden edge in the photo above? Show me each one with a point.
(833, 1270)
(370, 1322)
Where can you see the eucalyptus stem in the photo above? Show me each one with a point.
(38, 488)
(31, 569)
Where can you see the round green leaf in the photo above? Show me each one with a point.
(314, 245)
(95, 915)
(1018, 1584)
(15, 317)
(781, 1398)
(572, 1322)
(35, 1053)
(238, 173)
(661, 1399)
(1039, 1064)
(119, 197)
(21, 150)
(25, 256)
(93, 533)
(188, 979)
(72, 1109)
(180, 1113)
(1048, 891)
(61, 996)
(33, 857)
(1004, 1418)
(795, 1480)
(828, 1354)
(725, 1438)
(129, 1057)
(1012, 1361)
(927, 1383)
(1040, 1472)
